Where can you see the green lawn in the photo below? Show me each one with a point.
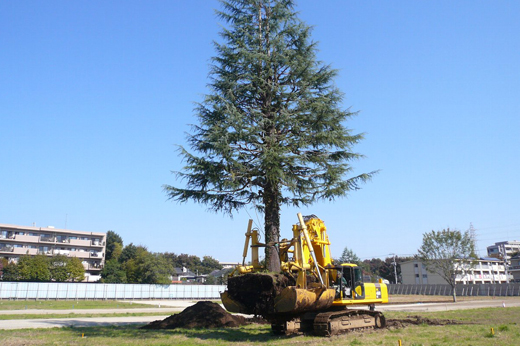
(475, 331)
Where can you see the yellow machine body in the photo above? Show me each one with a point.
(320, 284)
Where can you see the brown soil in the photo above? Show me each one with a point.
(417, 320)
(257, 291)
(204, 314)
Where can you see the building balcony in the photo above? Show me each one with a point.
(6, 249)
(514, 268)
(79, 242)
(94, 267)
(97, 243)
(24, 251)
(27, 238)
(79, 254)
(47, 239)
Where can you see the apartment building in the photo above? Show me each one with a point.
(485, 271)
(514, 268)
(23, 240)
(508, 247)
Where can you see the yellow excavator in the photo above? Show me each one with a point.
(311, 294)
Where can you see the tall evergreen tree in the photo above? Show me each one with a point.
(271, 131)
(114, 245)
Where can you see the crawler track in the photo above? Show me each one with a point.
(337, 322)
(330, 322)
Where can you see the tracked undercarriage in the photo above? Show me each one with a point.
(329, 323)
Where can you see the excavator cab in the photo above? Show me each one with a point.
(347, 279)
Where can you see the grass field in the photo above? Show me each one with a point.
(475, 331)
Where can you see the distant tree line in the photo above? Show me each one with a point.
(135, 264)
(41, 268)
(376, 268)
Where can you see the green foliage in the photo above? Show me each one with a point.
(209, 264)
(114, 245)
(193, 263)
(503, 328)
(385, 269)
(137, 265)
(155, 269)
(58, 268)
(348, 256)
(448, 253)
(113, 272)
(34, 268)
(75, 270)
(211, 280)
(272, 131)
(11, 272)
(128, 253)
(132, 266)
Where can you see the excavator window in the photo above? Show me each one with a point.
(358, 275)
(343, 282)
(359, 287)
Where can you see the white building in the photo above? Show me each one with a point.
(514, 268)
(509, 247)
(89, 247)
(485, 271)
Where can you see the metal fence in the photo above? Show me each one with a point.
(51, 290)
(491, 290)
(76, 291)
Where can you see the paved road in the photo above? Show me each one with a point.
(176, 306)
(78, 322)
(473, 304)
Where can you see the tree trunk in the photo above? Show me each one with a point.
(272, 227)
(454, 295)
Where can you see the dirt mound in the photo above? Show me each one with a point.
(417, 320)
(204, 314)
(258, 291)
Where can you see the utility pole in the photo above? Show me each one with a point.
(395, 268)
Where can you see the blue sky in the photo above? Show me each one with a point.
(95, 95)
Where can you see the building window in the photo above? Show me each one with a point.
(416, 265)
